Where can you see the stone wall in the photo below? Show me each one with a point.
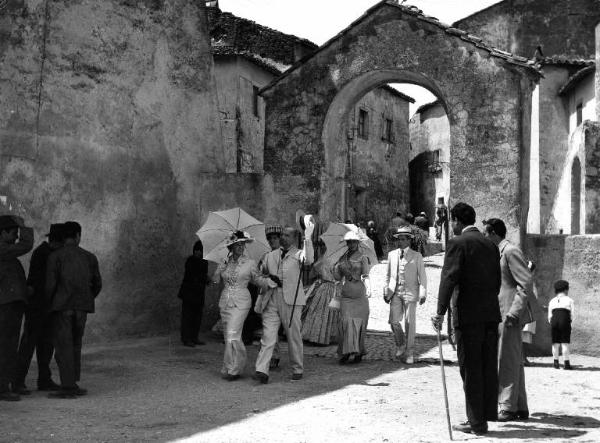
(561, 27)
(577, 260)
(487, 99)
(108, 116)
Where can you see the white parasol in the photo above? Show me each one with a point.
(221, 224)
(336, 246)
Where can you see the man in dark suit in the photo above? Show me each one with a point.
(472, 268)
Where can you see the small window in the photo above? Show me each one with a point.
(579, 111)
(363, 123)
(388, 131)
(255, 98)
(436, 156)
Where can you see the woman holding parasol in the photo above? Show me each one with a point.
(352, 268)
(236, 271)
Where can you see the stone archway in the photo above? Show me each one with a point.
(335, 127)
(486, 95)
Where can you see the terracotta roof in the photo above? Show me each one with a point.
(576, 78)
(427, 106)
(417, 13)
(563, 60)
(268, 65)
(394, 91)
(246, 36)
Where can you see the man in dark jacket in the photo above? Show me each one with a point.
(72, 283)
(191, 293)
(472, 267)
(13, 297)
(37, 332)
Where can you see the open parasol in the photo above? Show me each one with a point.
(333, 238)
(221, 224)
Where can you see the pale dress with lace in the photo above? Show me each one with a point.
(234, 304)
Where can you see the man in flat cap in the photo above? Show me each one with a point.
(72, 283)
(37, 332)
(13, 297)
(406, 284)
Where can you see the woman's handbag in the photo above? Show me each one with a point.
(334, 303)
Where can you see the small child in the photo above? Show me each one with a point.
(560, 316)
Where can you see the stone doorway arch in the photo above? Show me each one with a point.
(335, 127)
(486, 94)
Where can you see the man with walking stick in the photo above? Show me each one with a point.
(472, 264)
(284, 267)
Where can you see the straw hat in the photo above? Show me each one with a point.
(351, 235)
(403, 231)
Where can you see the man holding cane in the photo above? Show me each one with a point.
(284, 267)
(472, 265)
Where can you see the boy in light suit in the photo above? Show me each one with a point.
(406, 284)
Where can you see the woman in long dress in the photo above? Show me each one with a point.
(352, 267)
(319, 322)
(235, 302)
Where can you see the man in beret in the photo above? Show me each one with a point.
(15, 240)
(37, 332)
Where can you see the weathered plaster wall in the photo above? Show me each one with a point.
(584, 145)
(487, 101)
(553, 138)
(374, 160)
(577, 260)
(243, 130)
(561, 27)
(108, 116)
(429, 132)
(584, 94)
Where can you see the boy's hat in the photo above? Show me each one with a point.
(561, 286)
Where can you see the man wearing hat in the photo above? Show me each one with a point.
(284, 266)
(13, 297)
(406, 284)
(37, 332)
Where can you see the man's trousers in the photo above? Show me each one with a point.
(512, 395)
(276, 313)
(400, 309)
(37, 336)
(11, 316)
(68, 326)
(477, 348)
(191, 319)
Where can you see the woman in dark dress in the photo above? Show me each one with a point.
(191, 294)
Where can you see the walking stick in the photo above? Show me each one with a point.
(444, 383)
(296, 294)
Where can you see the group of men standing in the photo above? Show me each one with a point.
(488, 285)
(55, 298)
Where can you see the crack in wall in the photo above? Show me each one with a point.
(41, 81)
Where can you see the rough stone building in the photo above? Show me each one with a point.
(248, 56)
(108, 116)
(485, 93)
